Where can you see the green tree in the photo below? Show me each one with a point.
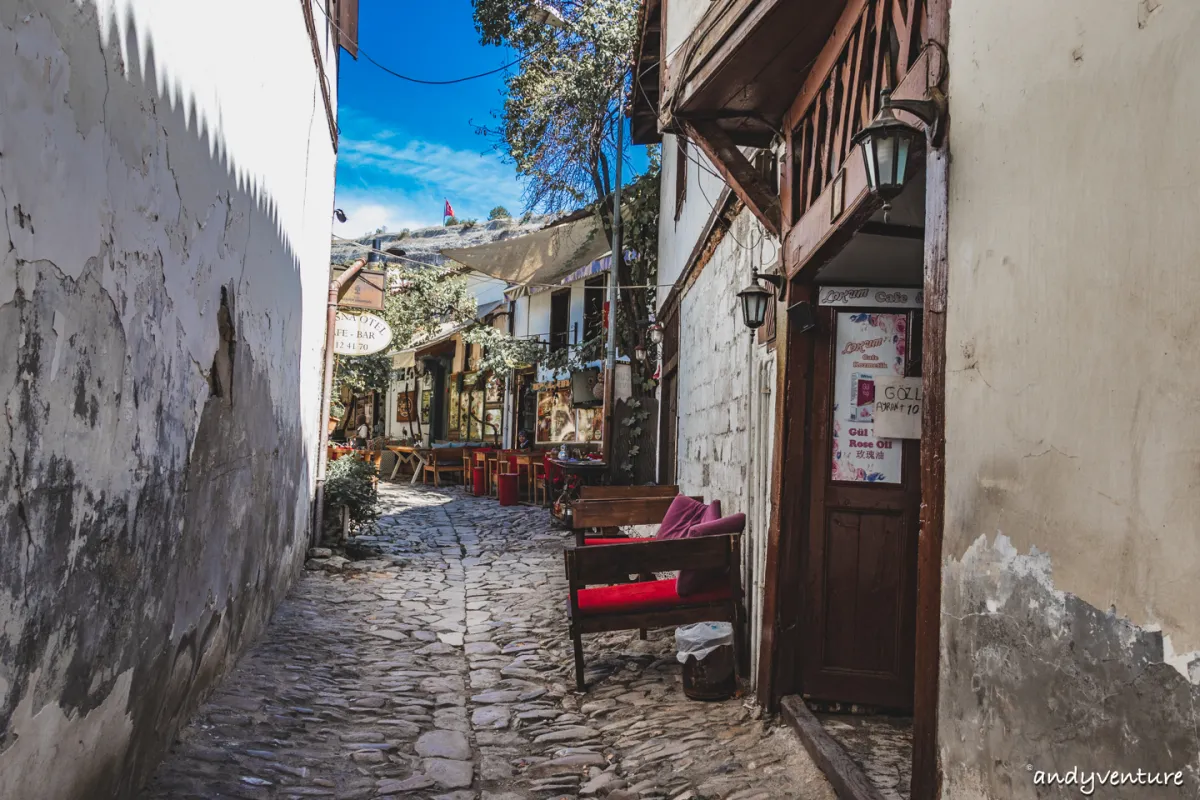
(559, 125)
(419, 301)
(499, 212)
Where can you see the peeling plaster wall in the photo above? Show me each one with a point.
(726, 409)
(1071, 609)
(166, 185)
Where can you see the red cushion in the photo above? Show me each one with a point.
(680, 517)
(693, 582)
(643, 596)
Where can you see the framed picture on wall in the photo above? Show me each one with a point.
(404, 407)
(426, 405)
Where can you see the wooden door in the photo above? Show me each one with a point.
(861, 539)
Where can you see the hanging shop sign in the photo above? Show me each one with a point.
(898, 408)
(360, 335)
(864, 297)
(366, 291)
(869, 347)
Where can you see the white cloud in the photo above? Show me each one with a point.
(402, 183)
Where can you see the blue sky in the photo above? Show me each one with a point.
(404, 147)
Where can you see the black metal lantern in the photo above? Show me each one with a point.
(655, 333)
(888, 144)
(755, 300)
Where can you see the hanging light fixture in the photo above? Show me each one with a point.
(755, 299)
(888, 144)
(655, 333)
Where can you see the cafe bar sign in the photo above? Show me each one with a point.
(870, 297)
(360, 335)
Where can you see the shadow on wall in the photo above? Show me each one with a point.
(153, 468)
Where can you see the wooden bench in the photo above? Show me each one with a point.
(442, 459)
(650, 604)
(609, 515)
(626, 492)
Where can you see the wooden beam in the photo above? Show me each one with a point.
(926, 778)
(746, 182)
(847, 777)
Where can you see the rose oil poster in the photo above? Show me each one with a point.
(868, 346)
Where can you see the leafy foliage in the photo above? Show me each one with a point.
(452, 221)
(559, 125)
(499, 212)
(421, 299)
(349, 483)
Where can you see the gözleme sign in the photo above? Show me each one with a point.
(360, 335)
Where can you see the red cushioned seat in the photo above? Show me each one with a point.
(643, 596)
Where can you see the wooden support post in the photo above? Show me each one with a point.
(746, 182)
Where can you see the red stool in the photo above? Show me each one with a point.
(478, 484)
(507, 483)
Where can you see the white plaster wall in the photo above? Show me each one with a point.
(1073, 258)
(682, 16)
(1073, 372)
(535, 317)
(726, 413)
(677, 238)
(152, 156)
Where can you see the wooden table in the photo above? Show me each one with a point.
(408, 455)
(585, 469)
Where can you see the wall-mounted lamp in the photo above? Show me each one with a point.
(341, 215)
(655, 333)
(755, 299)
(888, 143)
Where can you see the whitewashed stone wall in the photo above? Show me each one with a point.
(726, 411)
(166, 190)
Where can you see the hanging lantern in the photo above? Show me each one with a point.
(888, 145)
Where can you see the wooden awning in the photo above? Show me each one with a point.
(643, 106)
(744, 63)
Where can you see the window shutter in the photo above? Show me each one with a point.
(347, 22)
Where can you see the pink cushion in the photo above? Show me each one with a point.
(642, 596)
(680, 517)
(699, 581)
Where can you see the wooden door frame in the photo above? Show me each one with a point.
(781, 624)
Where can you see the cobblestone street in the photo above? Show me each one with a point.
(441, 669)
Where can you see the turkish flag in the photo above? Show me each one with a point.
(449, 212)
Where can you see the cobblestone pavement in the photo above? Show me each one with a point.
(442, 669)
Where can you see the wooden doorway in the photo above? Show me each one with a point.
(859, 547)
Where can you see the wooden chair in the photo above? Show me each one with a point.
(540, 484)
(442, 459)
(651, 604)
(501, 466)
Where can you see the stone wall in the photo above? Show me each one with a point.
(1070, 608)
(162, 269)
(725, 427)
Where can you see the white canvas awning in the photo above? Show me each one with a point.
(539, 257)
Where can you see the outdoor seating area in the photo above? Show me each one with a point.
(688, 571)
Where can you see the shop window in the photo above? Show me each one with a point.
(594, 291)
(560, 320)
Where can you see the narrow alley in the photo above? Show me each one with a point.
(441, 668)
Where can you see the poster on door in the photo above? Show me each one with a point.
(869, 346)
